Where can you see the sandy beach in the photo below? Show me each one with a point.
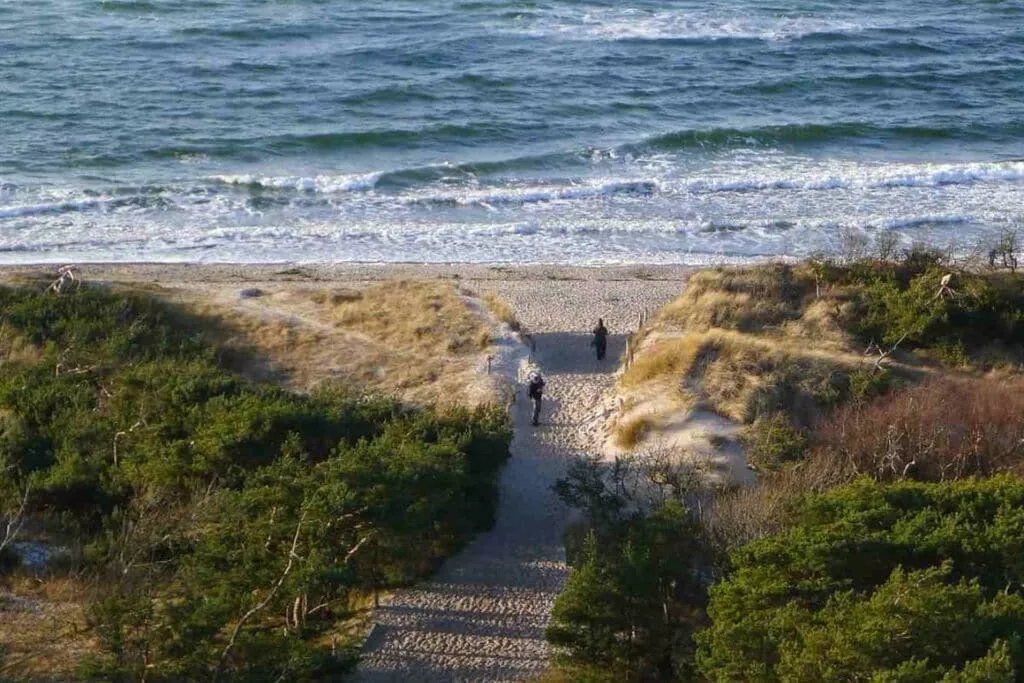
(243, 274)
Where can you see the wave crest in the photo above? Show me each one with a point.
(616, 24)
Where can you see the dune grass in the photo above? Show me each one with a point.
(743, 377)
(419, 340)
(502, 310)
(426, 316)
(632, 431)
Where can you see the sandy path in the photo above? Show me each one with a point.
(482, 616)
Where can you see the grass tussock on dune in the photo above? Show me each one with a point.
(429, 317)
(632, 431)
(743, 377)
(803, 339)
(735, 342)
(419, 340)
(502, 310)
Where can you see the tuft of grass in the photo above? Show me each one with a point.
(335, 296)
(483, 339)
(629, 433)
(670, 360)
(502, 310)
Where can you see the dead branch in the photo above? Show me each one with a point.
(292, 555)
(354, 549)
(944, 288)
(124, 433)
(270, 533)
(65, 276)
(883, 355)
(15, 521)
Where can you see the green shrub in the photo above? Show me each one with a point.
(877, 582)
(636, 594)
(867, 384)
(773, 442)
(194, 496)
(979, 310)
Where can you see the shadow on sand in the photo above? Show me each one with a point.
(570, 353)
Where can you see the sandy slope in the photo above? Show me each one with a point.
(482, 616)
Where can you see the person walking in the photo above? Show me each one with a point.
(600, 342)
(535, 390)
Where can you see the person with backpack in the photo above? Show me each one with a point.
(535, 390)
(600, 342)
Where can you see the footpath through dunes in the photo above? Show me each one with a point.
(482, 616)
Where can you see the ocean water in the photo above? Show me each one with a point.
(556, 131)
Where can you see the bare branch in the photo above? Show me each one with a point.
(292, 554)
(65, 275)
(883, 356)
(15, 521)
(354, 549)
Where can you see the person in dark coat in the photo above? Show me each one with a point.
(535, 390)
(600, 342)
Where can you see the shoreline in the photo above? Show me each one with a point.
(210, 273)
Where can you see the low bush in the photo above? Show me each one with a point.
(773, 442)
(907, 581)
(226, 523)
(939, 430)
(867, 384)
(954, 311)
(636, 594)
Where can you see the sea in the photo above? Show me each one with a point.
(505, 131)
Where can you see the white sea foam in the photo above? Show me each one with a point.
(860, 176)
(760, 203)
(638, 24)
(47, 208)
(533, 194)
(324, 184)
(907, 222)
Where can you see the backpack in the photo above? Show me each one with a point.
(536, 385)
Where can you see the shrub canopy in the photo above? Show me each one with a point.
(905, 581)
(227, 522)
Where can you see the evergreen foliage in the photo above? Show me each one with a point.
(908, 581)
(227, 523)
(635, 596)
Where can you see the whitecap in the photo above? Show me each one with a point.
(322, 184)
(613, 24)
